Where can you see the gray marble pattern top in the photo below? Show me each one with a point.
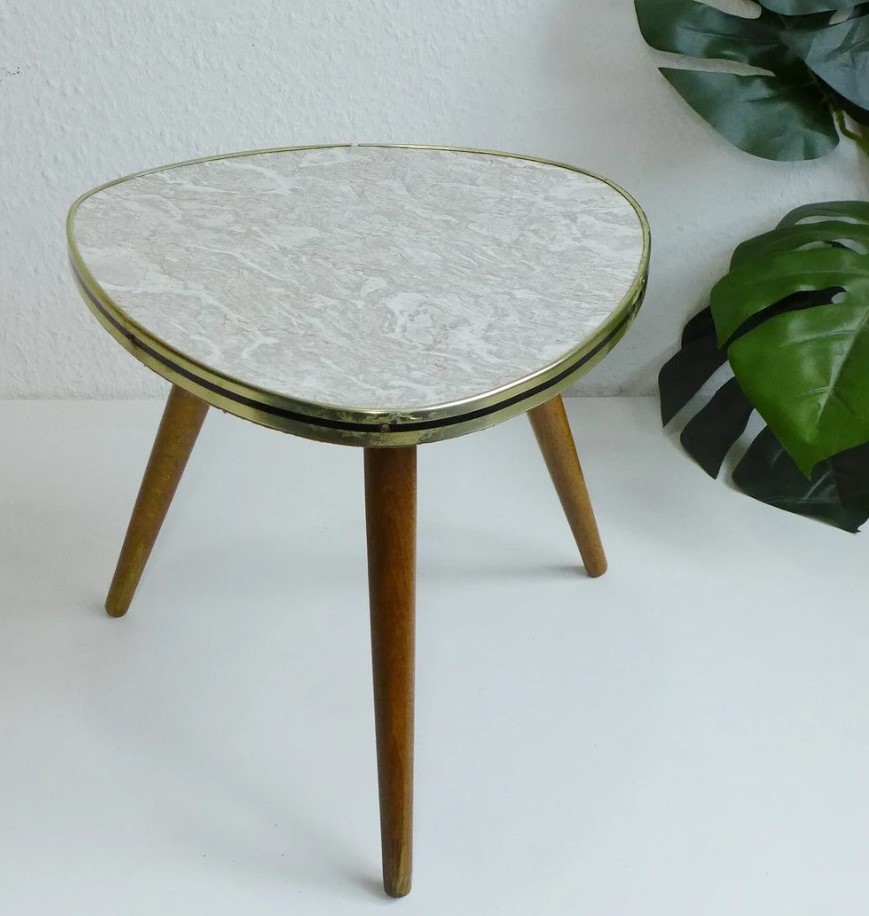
(365, 277)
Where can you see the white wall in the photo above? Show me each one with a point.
(98, 88)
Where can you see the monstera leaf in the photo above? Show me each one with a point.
(791, 319)
(838, 55)
(808, 72)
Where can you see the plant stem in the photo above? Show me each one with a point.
(863, 141)
(859, 136)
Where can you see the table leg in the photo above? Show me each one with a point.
(182, 420)
(390, 509)
(552, 429)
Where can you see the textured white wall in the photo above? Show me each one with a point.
(98, 88)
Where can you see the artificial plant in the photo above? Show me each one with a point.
(790, 321)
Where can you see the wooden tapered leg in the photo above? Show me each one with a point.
(390, 511)
(552, 429)
(182, 420)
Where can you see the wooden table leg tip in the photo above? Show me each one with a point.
(115, 609)
(398, 888)
(595, 570)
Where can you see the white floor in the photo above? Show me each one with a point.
(687, 735)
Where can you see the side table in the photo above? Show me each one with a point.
(366, 295)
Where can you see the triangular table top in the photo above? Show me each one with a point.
(364, 294)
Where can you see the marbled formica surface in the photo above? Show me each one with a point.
(365, 277)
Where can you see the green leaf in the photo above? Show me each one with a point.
(757, 286)
(762, 115)
(804, 369)
(806, 372)
(838, 54)
(856, 210)
(696, 30)
(836, 492)
(852, 478)
(793, 238)
(682, 376)
(713, 431)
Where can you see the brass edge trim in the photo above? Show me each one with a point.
(334, 423)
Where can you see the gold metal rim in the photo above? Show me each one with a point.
(332, 423)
